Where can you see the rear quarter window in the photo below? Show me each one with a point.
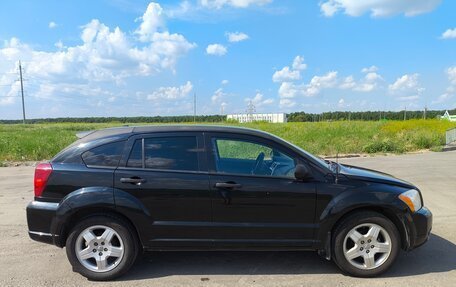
(107, 155)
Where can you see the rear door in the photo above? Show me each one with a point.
(167, 173)
(257, 201)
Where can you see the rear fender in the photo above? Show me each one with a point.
(101, 199)
(84, 198)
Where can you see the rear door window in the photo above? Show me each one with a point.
(107, 155)
(165, 153)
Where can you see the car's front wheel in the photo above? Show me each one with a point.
(101, 247)
(365, 244)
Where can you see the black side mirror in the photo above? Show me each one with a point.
(302, 172)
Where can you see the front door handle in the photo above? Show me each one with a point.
(229, 185)
(133, 180)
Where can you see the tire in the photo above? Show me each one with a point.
(102, 247)
(375, 250)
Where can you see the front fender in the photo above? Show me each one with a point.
(378, 197)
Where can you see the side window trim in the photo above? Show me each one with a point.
(143, 156)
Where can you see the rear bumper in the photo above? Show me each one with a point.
(40, 218)
(421, 226)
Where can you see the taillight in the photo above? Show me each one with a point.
(42, 172)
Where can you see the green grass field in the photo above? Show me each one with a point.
(42, 141)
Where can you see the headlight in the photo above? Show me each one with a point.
(412, 198)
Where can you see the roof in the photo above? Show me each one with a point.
(127, 131)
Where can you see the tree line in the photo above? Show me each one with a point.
(366, 115)
(292, 117)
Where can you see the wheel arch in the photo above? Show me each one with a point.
(387, 212)
(89, 201)
(91, 211)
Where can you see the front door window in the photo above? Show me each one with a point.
(233, 156)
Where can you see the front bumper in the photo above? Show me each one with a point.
(420, 227)
(40, 218)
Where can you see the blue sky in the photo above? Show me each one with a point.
(142, 58)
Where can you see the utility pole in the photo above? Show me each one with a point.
(405, 113)
(22, 92)
(250, 110)
(222, 109)
(194, 107)
(425, 110)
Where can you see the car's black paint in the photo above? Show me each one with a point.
(203, 209)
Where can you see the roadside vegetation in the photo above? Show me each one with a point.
(34, 142)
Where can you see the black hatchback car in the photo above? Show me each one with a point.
(117, 192)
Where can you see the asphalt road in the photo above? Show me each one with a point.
(24, 262)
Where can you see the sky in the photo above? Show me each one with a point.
(141, 58)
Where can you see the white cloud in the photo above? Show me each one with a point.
(406, 88)
(287, 103)
(218, 96)
(298, 63)
(152, 20)
(341, 103)
(409, 98)
(329, 80)
(103, 55)
(218, 4)
(216, 50)
(59, 44)
(451, 72)
(290, 74)
(225, 82)
(52, 25)
(378, 8)
(368, 83)
(451, 89)
(286, 75)
(11, 96)
(442, 98)
(405, 82)
(289, 90)
(370, 69)
(237, 37)
(348, 83)
(259, 101)
(449, 34)
(171, 93)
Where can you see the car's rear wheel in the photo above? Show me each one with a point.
(365, 244)
(102, 247)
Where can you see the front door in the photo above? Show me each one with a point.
(256, 199)
(167, 173)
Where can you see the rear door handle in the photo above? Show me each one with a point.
(230, 185)
(133, 180)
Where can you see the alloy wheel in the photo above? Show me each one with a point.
(99, 248)
(367, 246)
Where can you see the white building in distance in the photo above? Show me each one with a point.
(248, 118)
(447, 116)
